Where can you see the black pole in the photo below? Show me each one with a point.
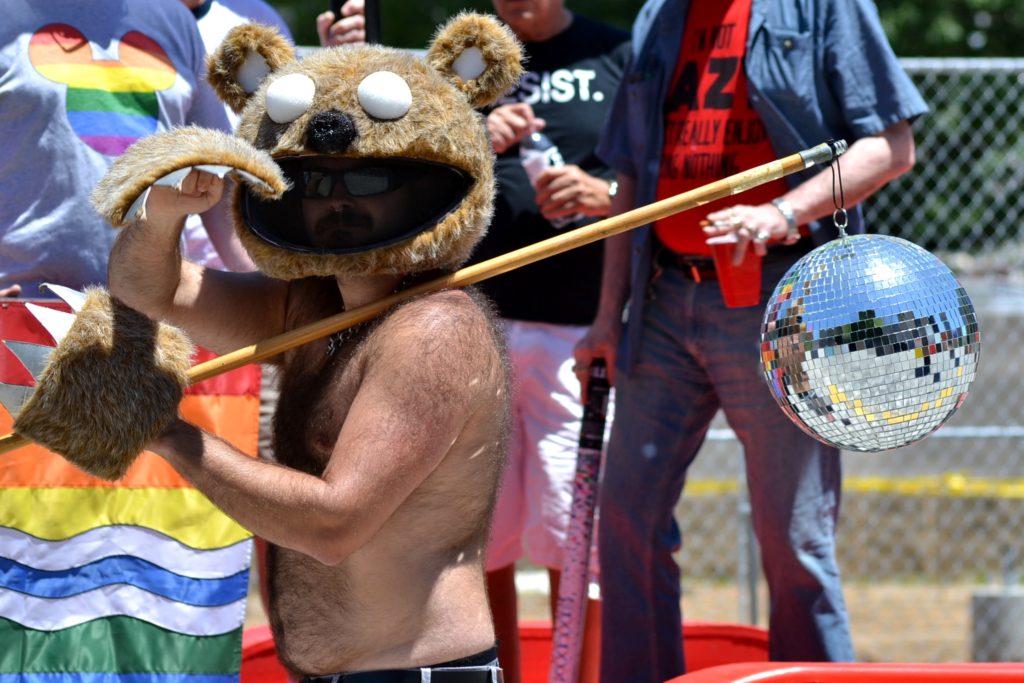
(371, 15)
(372, 9)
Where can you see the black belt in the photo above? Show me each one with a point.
(690, 266)
(408, 676)
(477, 670)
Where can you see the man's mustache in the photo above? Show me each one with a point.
(345, 228)
(345, 219)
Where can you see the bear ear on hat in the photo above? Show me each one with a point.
(247, 56)
(479, 55)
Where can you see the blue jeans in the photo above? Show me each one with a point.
(695, 357)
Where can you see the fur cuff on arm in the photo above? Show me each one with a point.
(111, 386)
(158, 157)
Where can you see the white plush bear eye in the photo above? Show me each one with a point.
(385, 95)
(252, 72)
(289, 97)
(470, 64)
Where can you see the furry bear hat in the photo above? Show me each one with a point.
(368, 118)
(392, 140)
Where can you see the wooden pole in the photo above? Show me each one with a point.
(469, 275)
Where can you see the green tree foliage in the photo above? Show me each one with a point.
(954, 28)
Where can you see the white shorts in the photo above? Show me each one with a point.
(531, 517)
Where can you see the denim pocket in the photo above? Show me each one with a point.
(789, 57)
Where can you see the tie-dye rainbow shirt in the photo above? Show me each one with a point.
(81, 80)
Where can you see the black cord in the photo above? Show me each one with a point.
(839, 216)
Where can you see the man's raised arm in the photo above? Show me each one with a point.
(147, 272)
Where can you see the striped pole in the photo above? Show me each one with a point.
(571, 609)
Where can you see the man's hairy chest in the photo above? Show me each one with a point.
(317, 388)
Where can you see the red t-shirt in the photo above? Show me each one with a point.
(711, 131)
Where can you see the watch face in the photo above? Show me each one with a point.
(786, 209)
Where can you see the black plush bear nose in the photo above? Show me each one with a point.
(331, 132)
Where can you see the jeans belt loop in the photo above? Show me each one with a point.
(694, 267)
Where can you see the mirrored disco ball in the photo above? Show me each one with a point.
(869, 343)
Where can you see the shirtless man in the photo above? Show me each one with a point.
(389, 449)
(390, 435)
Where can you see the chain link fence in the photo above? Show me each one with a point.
(930, 539)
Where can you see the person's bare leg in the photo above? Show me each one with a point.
(501, 592)
(590, 651)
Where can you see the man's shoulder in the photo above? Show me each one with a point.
(167, 18)
(247, 7)
(257, 11)
(152, 19)
(447, 313)
(438, 339)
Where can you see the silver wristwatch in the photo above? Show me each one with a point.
(792, 231)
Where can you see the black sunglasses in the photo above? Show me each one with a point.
(365, 181)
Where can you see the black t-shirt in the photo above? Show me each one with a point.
(570, 81)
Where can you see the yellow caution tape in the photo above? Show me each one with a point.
(948, 484)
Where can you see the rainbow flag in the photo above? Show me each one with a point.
(111, 102)
(138, 581)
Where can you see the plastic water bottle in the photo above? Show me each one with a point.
(538, 152)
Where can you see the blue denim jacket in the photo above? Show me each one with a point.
(816, 69)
